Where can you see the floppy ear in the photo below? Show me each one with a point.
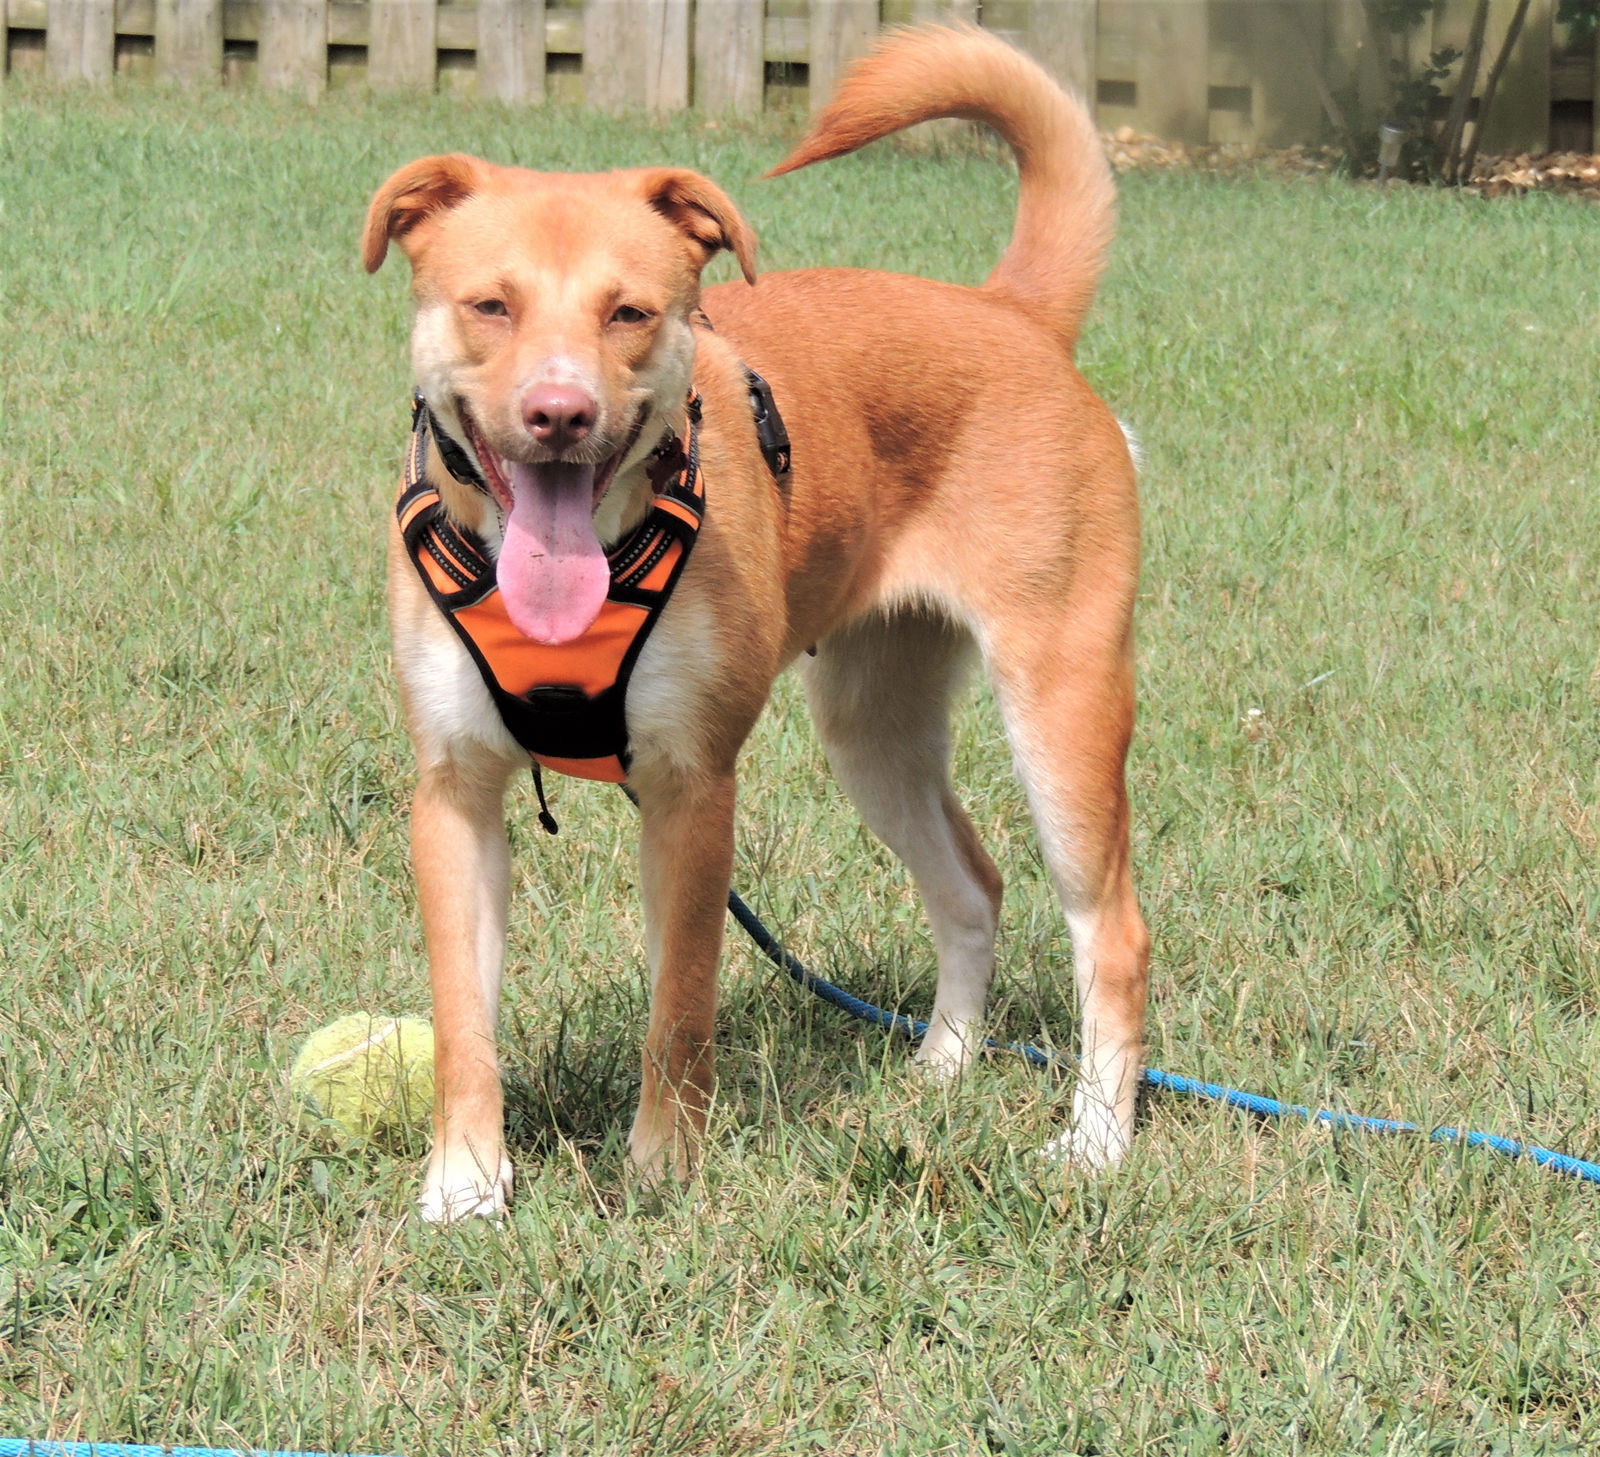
(426, 186)
(703, 212)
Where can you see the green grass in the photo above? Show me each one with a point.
(1366, 795)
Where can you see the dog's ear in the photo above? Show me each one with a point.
(703, 212)
(420, 188)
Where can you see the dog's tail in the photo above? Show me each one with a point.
(1065, 202)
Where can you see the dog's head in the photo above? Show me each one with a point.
(554, 339)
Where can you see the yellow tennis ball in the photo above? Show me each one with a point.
(369, 1074)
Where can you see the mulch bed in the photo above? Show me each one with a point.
(1577, 173)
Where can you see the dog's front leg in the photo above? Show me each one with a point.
(687, 863)
(459, 851)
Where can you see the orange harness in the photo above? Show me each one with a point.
(562, 702)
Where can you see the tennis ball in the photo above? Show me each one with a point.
(369, 1074)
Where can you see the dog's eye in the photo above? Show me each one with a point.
(627, 314)
(492, 308)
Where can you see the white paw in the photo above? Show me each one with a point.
(448, 1196)
(947, 1048)
(657, 1162)
(1095, 1140)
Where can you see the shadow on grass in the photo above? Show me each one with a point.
(577, 1083)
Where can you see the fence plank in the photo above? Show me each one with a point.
(1063, 37)
(402, 52)
(1228, 43)
(1170, 69)
(1520, 118)
(1355, 66)
(81, 39)
(729, 71)
(189, 41)
(611, 79)
(1287, 52)
(636, 54)
(511, 53)
(1448, 26)
(787, 34)
(841, 30)
(293, 46)
(922, 12)
(666, 38)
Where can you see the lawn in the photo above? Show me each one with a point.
(1367, 835)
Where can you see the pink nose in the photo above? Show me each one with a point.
(559, 416)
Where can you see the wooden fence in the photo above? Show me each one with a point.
(1268, 71)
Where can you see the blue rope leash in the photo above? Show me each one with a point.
(15, 1447)
(773, 949)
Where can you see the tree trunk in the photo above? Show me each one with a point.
(1466, 80)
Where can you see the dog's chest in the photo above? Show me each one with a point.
(671, 695)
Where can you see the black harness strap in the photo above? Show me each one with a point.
(455, 459)
(770, 429)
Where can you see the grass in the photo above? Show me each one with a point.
(1366, 791)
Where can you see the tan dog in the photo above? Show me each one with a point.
(955, 484)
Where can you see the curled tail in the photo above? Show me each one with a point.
(1065, 201)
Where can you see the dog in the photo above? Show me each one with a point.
(957, 491)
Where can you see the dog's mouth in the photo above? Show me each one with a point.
(551, 567)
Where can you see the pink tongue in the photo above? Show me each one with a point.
(552, 569)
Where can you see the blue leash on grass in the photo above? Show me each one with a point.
(773, 949)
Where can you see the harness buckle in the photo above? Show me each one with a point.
(455, 459)
(770, 431)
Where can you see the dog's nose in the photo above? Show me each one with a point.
(559, 416)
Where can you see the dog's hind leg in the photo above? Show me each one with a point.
(1066, 694)
(880, 693)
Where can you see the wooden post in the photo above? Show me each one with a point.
(511, 57)
(1286, 48)
(841, 30)
(1170, 70)
(1063, 37)
(402, 53)
(80, 41)
(293, 46)
(729, 68)
(636, 54)
(189, 41)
